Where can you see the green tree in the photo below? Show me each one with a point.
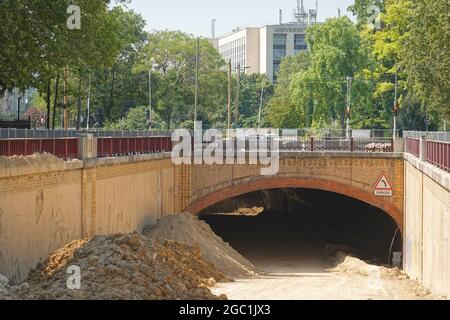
(425, 53)
(361, 9)
(37, 46)
(281, 109)
(250, 98)
(171, 57)
(414, 45)
(320, 91)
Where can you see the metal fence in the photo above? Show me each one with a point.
(438, 154)
(114, 147)
(435, 136)
(65, 148)
(412, 145)
(335, 144)
(44, 133)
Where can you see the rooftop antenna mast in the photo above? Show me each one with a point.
(301, 15)
(313, 13)
(213, 28)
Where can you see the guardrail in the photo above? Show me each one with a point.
(436, 136)
(438, 154)
(412, 145)
(113, 147)
(44, 133)
(66, 148)
(335, 144)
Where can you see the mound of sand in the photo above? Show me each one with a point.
(346, 263)
(126, 267)
(189, 230)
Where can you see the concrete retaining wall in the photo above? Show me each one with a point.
(46, 203)
(427, 226)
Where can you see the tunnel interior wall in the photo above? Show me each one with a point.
(427, 230)
(300, 216)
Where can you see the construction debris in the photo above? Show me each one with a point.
(189, 230)
(378, 147)
(125, 267)
(344, 262)
(11, 292)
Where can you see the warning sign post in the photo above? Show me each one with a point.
(383, 187)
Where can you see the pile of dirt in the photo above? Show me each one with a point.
(344, 262)
(126, 267)
(11, 292)
(250, 212)
(189, 230)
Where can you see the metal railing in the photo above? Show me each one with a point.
(412, 145)
(44, 133)
(65, 148)
(114, 147)
(120, 143)
(337, 144)
(435, 136)
(438, 154)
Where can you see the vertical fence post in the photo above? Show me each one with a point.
(312, 144)
(66, 153)
(423, 149)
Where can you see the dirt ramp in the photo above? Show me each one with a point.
(126, 267)
(189, 230)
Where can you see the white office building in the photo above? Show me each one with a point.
(242, 46)
(261, 49)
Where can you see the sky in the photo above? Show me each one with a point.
(195, 16)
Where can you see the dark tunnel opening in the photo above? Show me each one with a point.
(304, 222)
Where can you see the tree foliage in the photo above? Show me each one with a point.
(170, 55)
(320, 91)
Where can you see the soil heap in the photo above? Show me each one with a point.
(189, 230)
(126, 267)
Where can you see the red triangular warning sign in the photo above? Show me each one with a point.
(383, 183)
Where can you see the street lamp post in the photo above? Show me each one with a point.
(349, 104)
(229, 95)
(18, 107)
(260, 106)
(197, 63)
(238, 93)
(150, 98)
(88, 104)
(395, 106)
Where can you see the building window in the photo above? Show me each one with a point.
(300, 43)
(279, 52)
(276, 69)
(279, 46)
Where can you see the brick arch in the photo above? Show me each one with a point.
(259, 184)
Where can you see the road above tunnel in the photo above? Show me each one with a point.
(293, 273)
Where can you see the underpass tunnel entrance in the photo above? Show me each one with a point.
(303, 224)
